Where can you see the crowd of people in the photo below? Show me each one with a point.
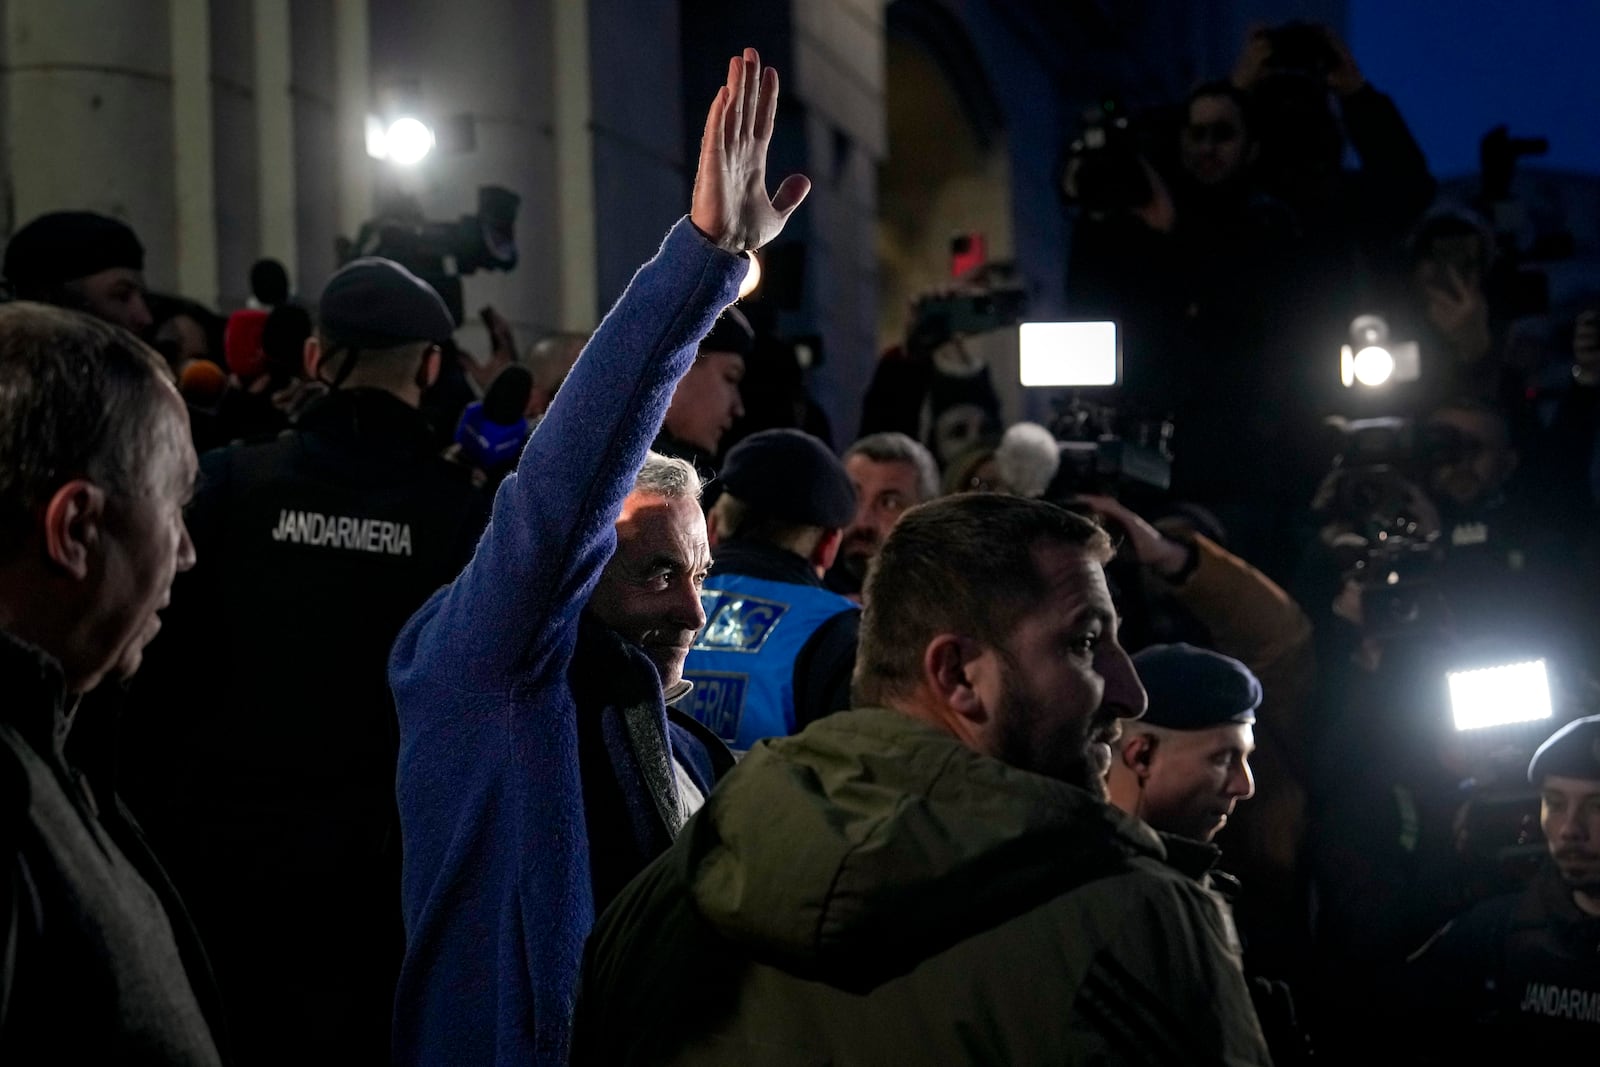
(376, 703)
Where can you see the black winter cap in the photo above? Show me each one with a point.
(731, 332)
(376, 303)
(1571, 752)
(790, 476)
(1194, 688)
(63, 246)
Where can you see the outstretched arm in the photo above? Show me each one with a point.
(551, 532)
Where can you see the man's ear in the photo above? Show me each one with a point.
(1136, 753)
(311, 358)
(713, 524)
(827, 551)
(950, 665)
(74, 526)
(431, 360)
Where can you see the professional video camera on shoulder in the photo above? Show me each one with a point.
(1105, 170)
(1104, 449)
(441, 252)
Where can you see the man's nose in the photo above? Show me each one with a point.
(1123, 692)
(139, 317)
(687, 612)
(1242, 783)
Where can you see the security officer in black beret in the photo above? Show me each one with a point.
(1516, 979)
(266, 710)
(80, 260)
(1182, 767)
(778, 648)
(1186, 763)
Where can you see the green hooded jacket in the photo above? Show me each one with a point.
(871, 891)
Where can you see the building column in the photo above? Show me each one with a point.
(574, 146)
(194, 182)
(275, 131)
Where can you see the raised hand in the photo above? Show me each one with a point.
(730, 204)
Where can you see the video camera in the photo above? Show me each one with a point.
(1105, 452)
(1105, 170)
(441, 252)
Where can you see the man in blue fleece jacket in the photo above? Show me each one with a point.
(539, 768)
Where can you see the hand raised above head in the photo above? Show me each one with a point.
(730, 204)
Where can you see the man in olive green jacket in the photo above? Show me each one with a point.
(935, 877)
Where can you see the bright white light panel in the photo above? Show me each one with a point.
(1496, 696)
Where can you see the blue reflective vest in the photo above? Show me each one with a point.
(742, 664)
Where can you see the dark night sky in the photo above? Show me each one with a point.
(1458, 69)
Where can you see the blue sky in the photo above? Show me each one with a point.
(1458, 69)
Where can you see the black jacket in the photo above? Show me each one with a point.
(263, 734)
(98, 960)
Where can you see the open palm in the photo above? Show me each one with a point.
(730, 204)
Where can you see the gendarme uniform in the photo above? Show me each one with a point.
(271, 731)
(778, 648)
(1516, 979)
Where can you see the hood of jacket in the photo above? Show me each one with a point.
(872, 840)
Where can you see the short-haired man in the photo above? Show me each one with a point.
(890, 472)
(540, 768)
(1186, 763)
(98, 962)
(947, 843)
(84, 261)
(777, 649)
(1517, 978)
(269, 780)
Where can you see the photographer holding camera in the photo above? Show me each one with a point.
(1434, 559)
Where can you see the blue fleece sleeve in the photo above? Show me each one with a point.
(551, 531)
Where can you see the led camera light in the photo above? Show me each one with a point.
(1499, 696)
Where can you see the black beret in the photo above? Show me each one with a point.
(1571, 752)
(790, 476)
(731, 332)
(66, 245)
(376, 303)
(1194, 688)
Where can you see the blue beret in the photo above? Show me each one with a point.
(63, 246)
(1194, 688)
(373, 302)
(1571, 752)
(790, 476)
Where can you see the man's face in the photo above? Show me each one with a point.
(1214, 149)
(1569, 813)
(1065, 681)
(707, 400)
(146, 545)
(117, 296)
(650, 590)
(1485, 462)
(1196, 777)
(883, 491)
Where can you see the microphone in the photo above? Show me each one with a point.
(202, 383)
(492, 431)
(1028, 458)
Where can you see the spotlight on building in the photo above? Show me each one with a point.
(406, 141)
